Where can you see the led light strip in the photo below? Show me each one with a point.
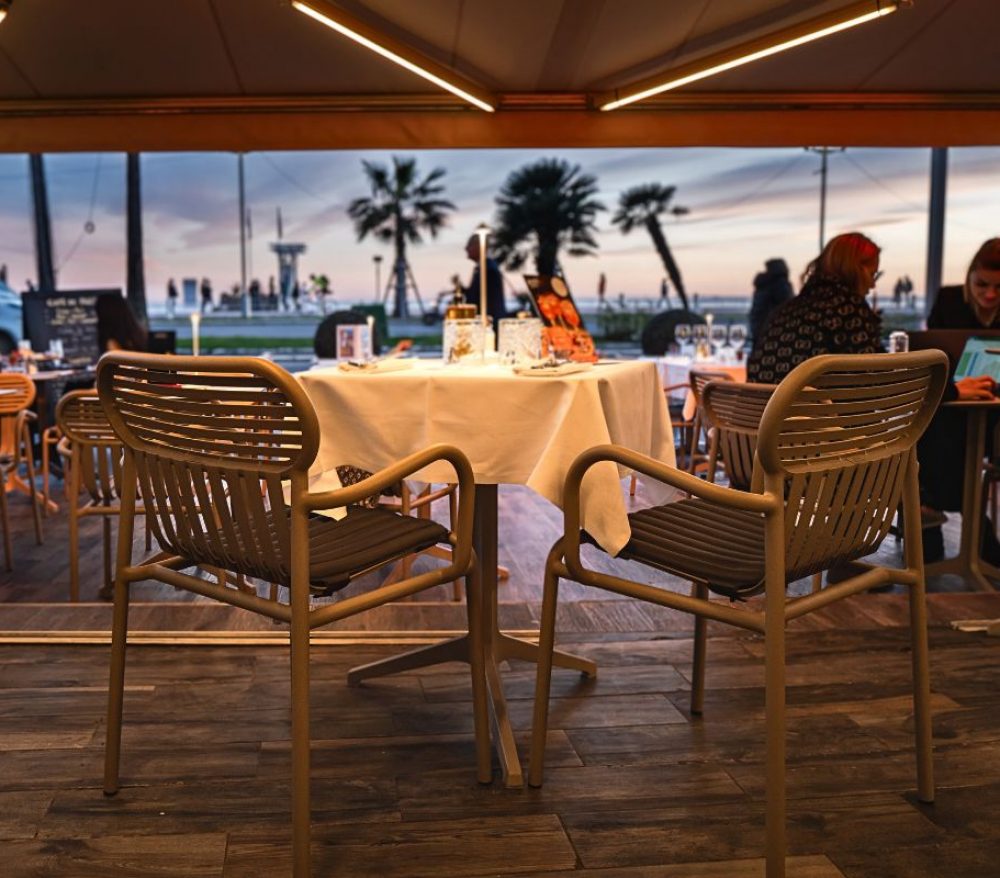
(698, 70)
(379, 49)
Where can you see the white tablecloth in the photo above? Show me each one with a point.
(514, 429)
(677, 370)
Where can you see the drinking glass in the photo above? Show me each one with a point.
(682, 333)
(463, 338)
(520, 340)
(738, 339)
(719, 336)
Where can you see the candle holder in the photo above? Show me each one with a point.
(195, 333)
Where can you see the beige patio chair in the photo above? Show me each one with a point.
(93, 463)
(699, 379)
(835, 454)
(17, 393)
(731, 412)
(213, 444)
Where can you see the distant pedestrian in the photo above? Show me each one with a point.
(296, 294)
(255, 294)
(771, 288)
(172, 296)
(602, 289)
(206, 295)
(664, 294)
(272, 294)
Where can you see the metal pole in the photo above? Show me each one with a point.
(43, 226)
(247, 308)
(935, 225)
(823, 152)
(822, 201)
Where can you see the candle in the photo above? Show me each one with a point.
(195, 333)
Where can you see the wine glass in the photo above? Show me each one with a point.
(738, 339)
(718, 336)
(682, 333)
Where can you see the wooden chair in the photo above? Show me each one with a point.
(212, 444)
(17, 393)
(93, 455)
(835, 454)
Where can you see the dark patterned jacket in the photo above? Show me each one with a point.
(826, 317)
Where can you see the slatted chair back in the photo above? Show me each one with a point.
(733, 411)
(699, 379)
(17, 392)
(836, 435)
(215, 441)
(98, 451)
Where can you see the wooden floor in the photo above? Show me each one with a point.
(635, 788)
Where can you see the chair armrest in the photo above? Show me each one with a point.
(665, 473)
(378, 482)
(641, 463)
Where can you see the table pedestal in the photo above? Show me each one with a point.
(499, 646)
(968, 563)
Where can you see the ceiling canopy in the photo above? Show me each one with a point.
(257, 74)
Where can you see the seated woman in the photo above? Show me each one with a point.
(828, 316)
(941, 450)
(117, 327)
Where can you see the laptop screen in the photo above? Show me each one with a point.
(980, 356)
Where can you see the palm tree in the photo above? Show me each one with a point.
(541, 208)
(643, 205)
(400, 208)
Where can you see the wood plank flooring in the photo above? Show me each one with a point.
(635, 786)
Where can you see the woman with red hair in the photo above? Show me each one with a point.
(829, 315)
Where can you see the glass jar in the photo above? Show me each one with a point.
(463, 339)
(520, 340)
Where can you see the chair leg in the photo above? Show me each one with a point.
(74, 529)
(8, 551)
(301, 861)
(106, 522)
(33, 495)
(921, 693)
(699, 591)
(116, 687)
(477, 663)
(543, 680)
(774, 707)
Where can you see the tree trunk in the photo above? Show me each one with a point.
(399, 267)
(43, 226)
(135, 280)
(673, 272)
(548, 254)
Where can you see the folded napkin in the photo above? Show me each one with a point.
(394, 365)
(545, 370)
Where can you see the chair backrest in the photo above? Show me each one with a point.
(838, 432)
(700, 377)
(18, 393)
(213, 439)
(733, 410)
(83, 421)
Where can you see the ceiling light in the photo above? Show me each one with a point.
(5, 8)
(772, 44)
(335, 18)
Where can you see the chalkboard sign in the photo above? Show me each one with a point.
(70, 316)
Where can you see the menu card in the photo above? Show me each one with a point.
(563, 331)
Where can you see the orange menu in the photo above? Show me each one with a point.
(564, 334)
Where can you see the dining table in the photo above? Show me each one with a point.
(523, 427)
(968, 563)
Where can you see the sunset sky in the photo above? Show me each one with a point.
(746, 205)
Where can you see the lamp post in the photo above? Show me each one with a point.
(483, 232)
(377, 259)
